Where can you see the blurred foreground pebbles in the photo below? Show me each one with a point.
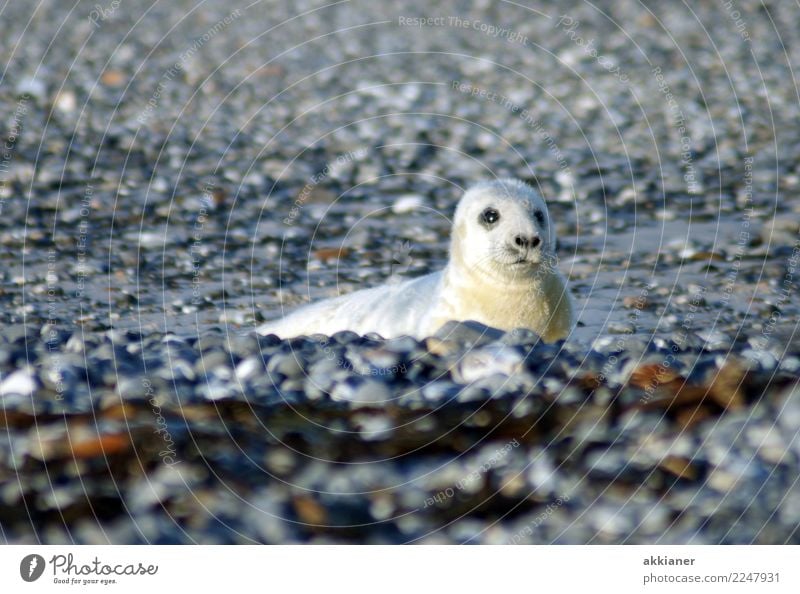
(473, 436)
(142, 237)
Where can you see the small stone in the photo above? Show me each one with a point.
(151, 240)
(368, 392)
(469, 333)
(31, 87)
(621, 328)
(639, 302)
(781, 230)
(714, 340)
(440, 347)
(680, 467)
(20, 382)
(331, 254)
(286, 364)
(65, 102)
(440, 390)
(487, 361)
(280, 461)
(380, 361)
(248, 368)
(408, 203)
(113, 78)
(520, 336)
(373, 427)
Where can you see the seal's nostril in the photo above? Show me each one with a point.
(536, 241)
(521, 241)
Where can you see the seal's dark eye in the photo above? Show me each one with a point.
(539, 217)
(490, 216)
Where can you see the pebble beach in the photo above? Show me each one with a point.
(174, 174)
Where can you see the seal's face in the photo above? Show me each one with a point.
(502, 228)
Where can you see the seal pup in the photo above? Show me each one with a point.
(501, 273)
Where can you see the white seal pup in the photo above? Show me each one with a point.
(500, 274)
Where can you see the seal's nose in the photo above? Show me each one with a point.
(527, 242)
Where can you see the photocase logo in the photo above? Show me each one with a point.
(31, 567)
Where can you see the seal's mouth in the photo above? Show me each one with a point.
(516, 257)
(515, 260)
(522, 263)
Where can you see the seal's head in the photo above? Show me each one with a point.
(502, 229)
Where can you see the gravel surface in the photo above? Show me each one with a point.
(172, 174)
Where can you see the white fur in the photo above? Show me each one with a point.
(489, 279)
